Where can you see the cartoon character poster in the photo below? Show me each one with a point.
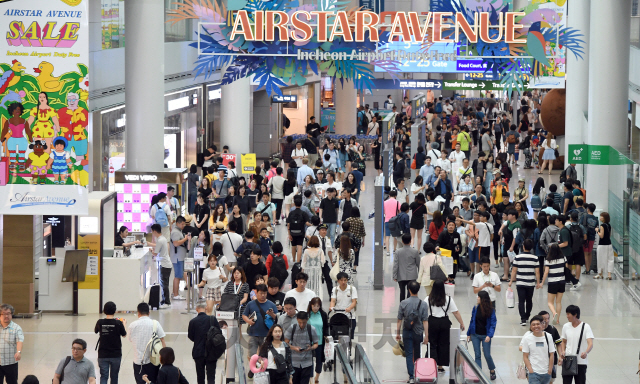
(44, 92)
(551, 14)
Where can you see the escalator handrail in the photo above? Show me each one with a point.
(365, 359)
(471, 362)
(346, 365)
(242, 377)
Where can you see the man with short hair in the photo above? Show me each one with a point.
(549, 210)
(304, 171)
(178, 252)
(311, 145)
(557, 340)
(329, 212)
(591, 223)
(301, 293)
(564, 242)
(110, 331)
(487, 280)
(265, 206)
(255, 267)
(197, 333)
(406, 264)
(345, 205)
(303, 340)
(161, 253)
(577, 339)
(526, 274)
(290, 313)
(11, 342)
(413, 308)
(75, 369)
(431, 180)
(230, 242)
(254, 315)
(219, 161)
(344, 297)
(162, 205)
(299, 153)
(220, 187)
(296, 228)
(538, 351)
(140, 332)
(174, 204)
(577, 257)
(512, 138)
(426, 170)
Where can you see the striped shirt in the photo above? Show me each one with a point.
(556, 270)
(526, 274)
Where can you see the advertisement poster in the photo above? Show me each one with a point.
(227, 157)
(554, 76)
(92, 275)
(248, 163)
(44, 90)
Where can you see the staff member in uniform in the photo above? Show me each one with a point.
(123, 233)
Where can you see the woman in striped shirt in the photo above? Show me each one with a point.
(554, 269)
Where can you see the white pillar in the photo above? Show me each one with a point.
(577, 80)
(346, 108)
(144, 79)
(608, 87)
(235, 116)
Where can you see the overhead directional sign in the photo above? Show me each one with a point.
(474, 85)
(406, 84)
(284, 99)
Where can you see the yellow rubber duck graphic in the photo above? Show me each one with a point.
(46, 80)
(72, 3)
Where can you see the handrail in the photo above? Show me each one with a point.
(346, 366)
(361, 359)
(462, 359)
(242, 377)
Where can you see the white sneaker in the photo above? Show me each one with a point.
(178, 298)
(165, 306)
(576, 287)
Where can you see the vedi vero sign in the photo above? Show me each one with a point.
(595, 155)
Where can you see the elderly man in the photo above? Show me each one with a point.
(11, 339)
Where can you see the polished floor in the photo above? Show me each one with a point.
(604, 304)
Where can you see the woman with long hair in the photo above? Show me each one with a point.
(436, 227)
(343, 156)
(538, 197)
(238, 286)
(228, 201)
(417, 187)
(549, 145)
(320, 321)
(358, 160)
(377, 161)
(218, 215)
(481, 330)
(311, 264)
(309, 185)
(350, 182)
(440, 306)
(252, 194)
(242, 201)
(274, 344)
(168, 373)
(543, 223)
(522, 213)
(554, 270)
(605, 249)
(346, 257)
(205, 189)
(262, 189)
(521, 194)
(419, 213)
(488, 177)
(289, 188)
(239, 218)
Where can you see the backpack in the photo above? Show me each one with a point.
(439, 107)
(576, 238)
(364, 120)
(215, 344)
(296, 223)
(154, 346)
(536, 202)
(285, 121)
(394, 224)
(553, 236)
(563, 175)
(161, 216)
(278, 269)
(233, 180)
(511, 139)
(244, 258)
(412, 318)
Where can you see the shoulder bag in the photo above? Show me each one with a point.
(435, 272)
(570, 362)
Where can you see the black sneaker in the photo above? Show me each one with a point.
(250, 374)
(493, 375)
(471, 276)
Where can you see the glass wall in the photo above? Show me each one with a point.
(180, 31)
(212, 133)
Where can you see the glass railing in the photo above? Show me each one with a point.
(242, 376)
(362, 367)
(466, 369)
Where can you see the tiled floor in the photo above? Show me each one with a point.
(604, 304)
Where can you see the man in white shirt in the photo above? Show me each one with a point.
(577, 339)
(443, 162)
(299, 153)
(403, 193)
(140, 332)
(161, 254)
(447, 107)
(174, 204)
(538, 351)
(344, 298)
(301, 293)
(373, 126)
(434, 154)
(456, 158)
(230, 242)
(331, 183)
(487, 281)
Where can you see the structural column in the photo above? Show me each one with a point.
(577, 81)
(346, 108)
(144, 79)
(608, 87)
(235, 116)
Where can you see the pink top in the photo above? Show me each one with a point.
(391, 208)
(16, 130)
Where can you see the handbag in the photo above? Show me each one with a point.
(413, 163)
(261, 378)
(333, 273)
(511, 298)
(436, 273)
(521, 371)
(229, 302)
(570, 362)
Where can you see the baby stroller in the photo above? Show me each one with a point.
(340, 332)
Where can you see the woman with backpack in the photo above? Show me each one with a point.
(278, 355)
(440, 305)
(312, 262)
(481, 330)
(538, 197)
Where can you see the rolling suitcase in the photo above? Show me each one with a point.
(154, 296)
(468, 374)
(426, 369)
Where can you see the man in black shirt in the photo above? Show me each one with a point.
(311, 144)
(296, 227)
(274, 295)
(329, 212)
(198, 328)
(502, 206)
(567, 202)
(255, 267)
(450, 239)
(313, 128)
(110, 331)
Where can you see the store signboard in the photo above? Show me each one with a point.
(92, 275)
(376, 6)
(227, 157)
(46, 50)
(248, 161)
(284, 98)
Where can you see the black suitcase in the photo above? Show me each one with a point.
(295, 269)
(154, 296)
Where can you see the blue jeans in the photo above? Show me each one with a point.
(536, 378)
(107, 364)
(486, 347)
(331, 231)
(411, 348)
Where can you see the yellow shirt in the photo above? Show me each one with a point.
(464, 138)
(38, 161)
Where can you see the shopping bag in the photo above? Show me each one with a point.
(261, 378)
(329, 348)
(521, 371)
(512, 256)
(448, 264)
(449, 289)
(511, 298)
(472, 244)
